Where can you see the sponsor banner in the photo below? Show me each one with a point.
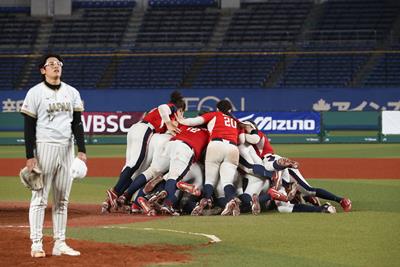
(279, 99)
(391, 122)
(109, 122)
(284, 122)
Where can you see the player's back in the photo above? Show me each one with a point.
(196, 137)
(221, 126)
(154, 118)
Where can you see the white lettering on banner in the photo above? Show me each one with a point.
(10, 105)
(86, 123)
(322, 105)
(208, 103)
(268, 124)
(98, 123)
(113, 125)
(122, 120)
(105, 123)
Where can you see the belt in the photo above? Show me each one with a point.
(224, 140)
(148, 124)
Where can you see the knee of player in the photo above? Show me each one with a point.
(39, 202)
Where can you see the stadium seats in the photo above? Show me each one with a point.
(321, 71)
(242, 71)
(151, 72)
(10, 69)
(178, 3)
(17, 29)
(98, 27)
(181, 28)
(272, 23)
(386, 72)
(366, 21)
(169, 27)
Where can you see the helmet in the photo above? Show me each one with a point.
(78, 169)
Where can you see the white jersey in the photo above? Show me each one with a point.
(53, 110)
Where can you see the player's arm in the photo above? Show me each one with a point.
(165, 111)
(252, 137)
(77, 130)
(196, 121)
(30, 140)
(28, 109)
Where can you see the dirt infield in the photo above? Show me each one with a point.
(14, 233)
(340, 168)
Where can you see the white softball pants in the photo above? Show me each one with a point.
(55, 162)
(222, 159)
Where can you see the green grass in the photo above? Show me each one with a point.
(368, 236)
(289, 150)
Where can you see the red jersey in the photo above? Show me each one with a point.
(263, 147)
(222, 126)
(154, 118)
(196, 138)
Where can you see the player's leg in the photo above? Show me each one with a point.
(181, 158)
(61, 190)
(250, 197)
(250, 162)
(137, 140)
(214, 156)
(228, 175)
(155, 147)
(213, 159)
(274, 162)
(157, 167)
(306, 189)
(246, 162)
(47, 163)
(192, 182)
(228, 170)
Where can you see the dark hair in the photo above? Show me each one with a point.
(224, 106)
(45, 57)
(176, 98)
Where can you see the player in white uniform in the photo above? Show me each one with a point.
(52, 111)
(155, 147)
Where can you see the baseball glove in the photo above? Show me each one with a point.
(32, 180)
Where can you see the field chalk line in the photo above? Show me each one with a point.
(14, 226)
(213, 238)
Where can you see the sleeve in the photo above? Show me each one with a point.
(199, 120)
(242, 136)
(77, 130)
(253, 137)
(29, 107)
(29, 135)
(164, 111)
(78, 103)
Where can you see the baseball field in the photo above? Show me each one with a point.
(369, 174)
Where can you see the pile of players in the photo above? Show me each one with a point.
(208, 165)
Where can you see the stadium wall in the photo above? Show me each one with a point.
(243, 99)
